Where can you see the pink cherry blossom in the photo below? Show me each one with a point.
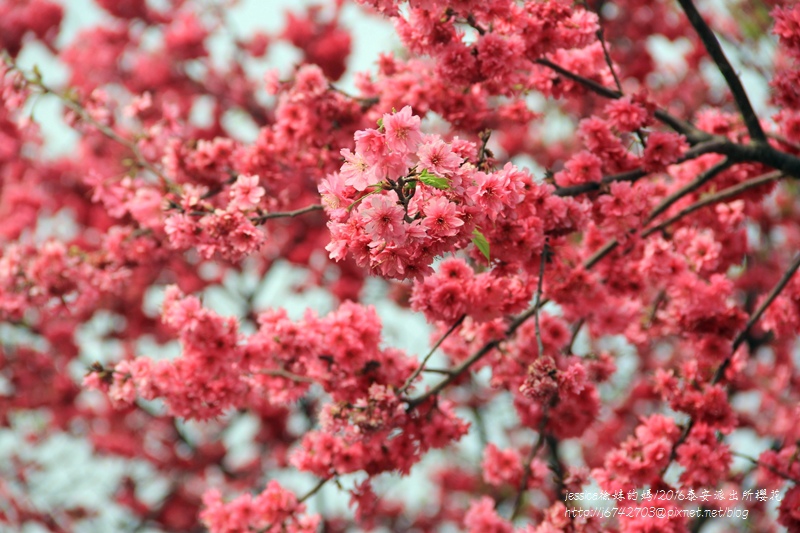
(598, 250)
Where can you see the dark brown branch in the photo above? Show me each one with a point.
(713, 146)
(586, 82)
(610, 63)
(601, 253)
(556, 465)
(576, 329)
(725, 194)
(715, 51)
(693, 134)
(537, 299)
(740, 338)
(286, 214)
(474, 358)
(421, 367)
(574, 190)
(689, 188)
(771, 468)
(526, 469)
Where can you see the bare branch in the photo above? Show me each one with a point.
(756, 316)
(725, 194)
(421, 367)
(712, 146)
(771, 468)
(526, 469)
(286, 214)
(690, 187)
(537, 299)
(715, 51)
(693, 134)
(474, 358)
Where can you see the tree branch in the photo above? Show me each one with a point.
(690, 187)
(286, 214)
(767, 467)
(715, 51)
(421, 367)
(713, 146)
(86, 117)
(776, 290)
(474, 358)
(692, 133)
(537, 299)
(725, 194)
(526, 469)
(736, 343)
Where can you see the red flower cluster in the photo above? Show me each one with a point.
(603, 244)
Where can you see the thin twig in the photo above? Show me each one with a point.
(474, 358)
(437, 371)
(776, 290)
(435, 347)
(734, 83)
(526, 469)
(576, 329)
(717, 197)
(608, 60)
(610, 63)
(692, 133)
(537, 299)
(771, 468)
(86, 117)
(690, 187)
(286, 214)
(314, 490)
(281, 373)
(300, 500)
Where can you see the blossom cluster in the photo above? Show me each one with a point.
(603, 245)
(275, 509)
(402, 199)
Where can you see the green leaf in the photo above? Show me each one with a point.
(432, 180)
(479, 240)
(380, 124)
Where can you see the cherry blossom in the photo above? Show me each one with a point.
(598, 248)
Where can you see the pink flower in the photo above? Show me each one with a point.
(383, 218)
(626, 115)
(705, 459)
(356, 172)
(663, 149)
(402, 130)
(246, 193)
(438, 158)
(501, 467)
(482, 518)
(787, 27)
(583, 167)
(441, 218)
(371, 145)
